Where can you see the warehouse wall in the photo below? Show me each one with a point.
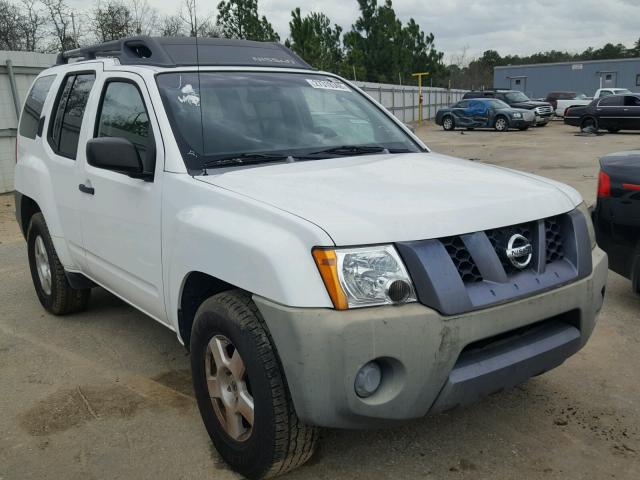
(538, 80)
(26, 66)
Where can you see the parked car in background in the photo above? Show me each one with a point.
(617, 213)
(542, 110)
(605, 92)
(560, 101)
(612, 113)
(484, 113)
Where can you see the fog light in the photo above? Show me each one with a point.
(368, 380)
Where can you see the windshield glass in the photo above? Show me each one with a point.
(517, 97)
(498, 104)
(580, 96)
(222, 114)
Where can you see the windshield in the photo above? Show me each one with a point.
(517, 97)
(498, 104)
(580, 96)
(226, 114)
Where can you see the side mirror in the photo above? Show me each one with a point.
(117, 154)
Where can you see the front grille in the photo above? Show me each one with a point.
(462, 259)
(499, 238)
(545, 110)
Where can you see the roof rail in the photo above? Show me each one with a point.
(187, 51)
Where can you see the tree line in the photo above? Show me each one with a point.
(379, 47)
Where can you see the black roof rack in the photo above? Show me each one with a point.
(185, 51)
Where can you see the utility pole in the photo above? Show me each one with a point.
(420, 99)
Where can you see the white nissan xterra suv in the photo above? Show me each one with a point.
(322, 266)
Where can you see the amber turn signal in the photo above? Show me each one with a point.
(327, 262)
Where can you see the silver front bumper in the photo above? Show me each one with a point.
(322, 349)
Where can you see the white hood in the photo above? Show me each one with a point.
(399, 197)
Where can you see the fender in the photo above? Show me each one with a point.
(241, 241)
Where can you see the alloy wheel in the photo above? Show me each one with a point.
(229, 388)
(43, 266)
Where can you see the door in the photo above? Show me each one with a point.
(518, 83)
(608, 79)
(610, 112)
(120, 214)
(478, 113)
(459, 113)
(66, 129)
(631, 113)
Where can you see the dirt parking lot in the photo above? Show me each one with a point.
(106, 394)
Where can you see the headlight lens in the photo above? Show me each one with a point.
(517, 115)
(364, 277)
(587, 214)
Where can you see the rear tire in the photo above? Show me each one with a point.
(589, 124)
(273, 440)
(51, 284)
(501, 124)
(448, 123)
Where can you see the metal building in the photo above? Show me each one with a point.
(539, 79)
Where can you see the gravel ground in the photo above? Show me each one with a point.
(106, 394)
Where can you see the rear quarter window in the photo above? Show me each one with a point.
(33, 106)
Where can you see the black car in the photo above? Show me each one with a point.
(516, 99)
(484, 113)
(613, 113)
(616, 216)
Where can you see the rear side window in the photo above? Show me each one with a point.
(33, 106)
(123, 114)
(630, 101)
(611, 101)
(64, 132)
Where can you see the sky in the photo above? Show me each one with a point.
(471, 27)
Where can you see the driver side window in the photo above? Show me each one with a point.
(123, 114)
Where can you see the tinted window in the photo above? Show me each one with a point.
(123, 114)
(33, 106)
(630, 101)
(462, 104)
(72, 101)
(611, 101)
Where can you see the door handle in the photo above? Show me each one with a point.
(84, 189)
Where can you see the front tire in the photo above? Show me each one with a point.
(242, 392)
(51, 284)
(501, 124)
(448, 123)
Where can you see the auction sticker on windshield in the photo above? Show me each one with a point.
(328, 85)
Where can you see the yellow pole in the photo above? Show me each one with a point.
(420, 99)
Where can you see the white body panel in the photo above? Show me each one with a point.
(562, 105)
(255, 227)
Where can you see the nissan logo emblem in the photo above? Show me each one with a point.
(519, 251)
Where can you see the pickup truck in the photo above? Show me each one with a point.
(321, 265)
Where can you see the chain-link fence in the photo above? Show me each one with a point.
(403, 100)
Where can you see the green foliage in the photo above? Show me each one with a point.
(313, 38)
(381, 49)
(112, 21)
(240, 19)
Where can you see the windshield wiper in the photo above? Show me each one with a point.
(350, 150)
(246, 159)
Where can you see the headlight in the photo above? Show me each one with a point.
(516, 115)
(587, 216)
(364, 277)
